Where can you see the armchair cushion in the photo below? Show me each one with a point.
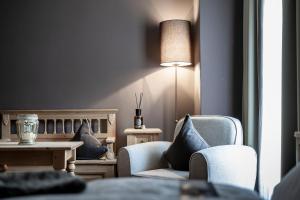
(142, 157)
(185, 144)
(164, 174)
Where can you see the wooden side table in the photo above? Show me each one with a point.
(61, 155)
(136, 136)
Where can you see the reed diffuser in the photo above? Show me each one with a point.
(138, 118)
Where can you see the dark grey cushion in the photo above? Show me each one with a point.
(187, 142)
(289, 186)
(91, 148)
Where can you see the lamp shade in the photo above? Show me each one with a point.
(175, 43)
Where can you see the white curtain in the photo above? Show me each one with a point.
(262, 88)
(270, 141)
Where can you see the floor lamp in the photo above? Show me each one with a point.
(175, 47)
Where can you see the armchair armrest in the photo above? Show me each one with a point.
(227, 164)
(141, 157)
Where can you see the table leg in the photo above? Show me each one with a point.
(59, 160)
(71, 163)
(71, 167)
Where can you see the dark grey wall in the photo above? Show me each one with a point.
(289, 83)
(60, 54)
(221, 57)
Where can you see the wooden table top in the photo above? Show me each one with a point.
(14, 146)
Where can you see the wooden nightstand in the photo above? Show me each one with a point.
(136, 136)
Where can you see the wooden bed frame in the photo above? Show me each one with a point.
(61, 125)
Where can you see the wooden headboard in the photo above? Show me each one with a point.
(60, 125)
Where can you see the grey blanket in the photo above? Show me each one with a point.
(30, 183)
(140, 188)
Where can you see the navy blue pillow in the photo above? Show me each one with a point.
(185, 144)
(91, 148)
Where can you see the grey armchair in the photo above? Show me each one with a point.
(227, 161)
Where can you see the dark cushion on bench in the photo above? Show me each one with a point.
(91, 148)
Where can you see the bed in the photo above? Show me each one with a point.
(141, 188)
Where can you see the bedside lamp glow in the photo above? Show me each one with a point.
(175, 43)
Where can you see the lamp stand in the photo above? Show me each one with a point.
(175, 92)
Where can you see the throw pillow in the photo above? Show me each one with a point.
(289, 186)
(91, 148)
(185, 144)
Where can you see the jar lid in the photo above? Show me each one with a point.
(27, 117)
